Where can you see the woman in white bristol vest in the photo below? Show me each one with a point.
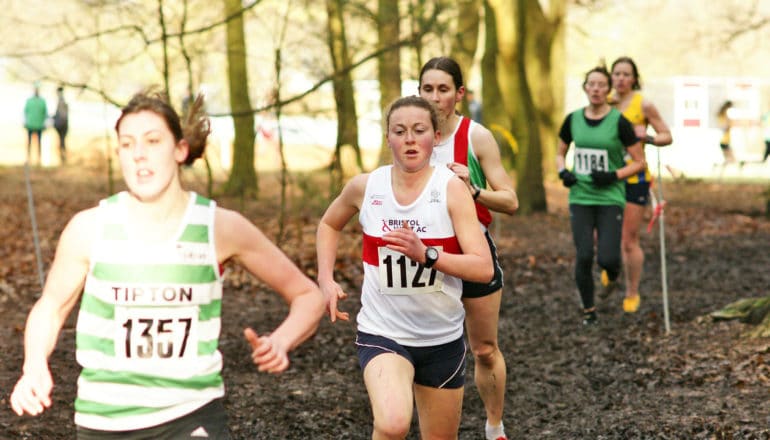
(148, 264)
(420, 238)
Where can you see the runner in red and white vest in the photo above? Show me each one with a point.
(472, 153)
(420, 238)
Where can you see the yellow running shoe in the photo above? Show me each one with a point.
(608, 286)
(631, 303)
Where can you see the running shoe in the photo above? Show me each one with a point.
(631, 304)
(589, 318)
(608, 286)
(494, 432)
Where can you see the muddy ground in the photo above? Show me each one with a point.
(626, 378)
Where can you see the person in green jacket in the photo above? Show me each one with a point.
(35, 115)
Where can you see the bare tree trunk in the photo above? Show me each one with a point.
(495, 116)
(243, 177)
(185, 53)
(546, 73)
(187, 100)
(529, 170)
(347, 120)
(276, 99)
(416, 8)
(164, 45)
(525, 74)
(388, 64)
(466, 38)
(284, 166)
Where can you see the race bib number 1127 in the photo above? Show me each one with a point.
(400, 275)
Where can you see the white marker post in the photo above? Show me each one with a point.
(31, 205)
(662, 230)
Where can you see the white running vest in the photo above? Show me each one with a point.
(460, 143)
(401, 299)
(444, 152)
(149, 320)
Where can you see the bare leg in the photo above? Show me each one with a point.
(481, 318)
(439, 411)
(388, 378)
(633, 256)
(729, 156)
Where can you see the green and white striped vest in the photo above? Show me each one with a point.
(149, 322)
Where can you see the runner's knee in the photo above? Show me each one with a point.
(486, 352)
(630, 244)
(610, 263)
(393, 425)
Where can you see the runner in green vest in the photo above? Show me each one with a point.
(597, 195)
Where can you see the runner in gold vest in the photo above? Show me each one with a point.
(640, 112)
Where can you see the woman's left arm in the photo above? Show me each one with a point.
(241, 240)
(638, 163)
(500, 197)
(662, 136)
(476, 259)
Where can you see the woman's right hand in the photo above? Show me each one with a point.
(567, 178)
(32, 393)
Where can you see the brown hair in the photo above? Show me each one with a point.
(723, 109)
(447, 65)
(412, 101)
(637, 79)
(194, 129)
(598, 69)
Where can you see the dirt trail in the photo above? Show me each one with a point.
(623, 379)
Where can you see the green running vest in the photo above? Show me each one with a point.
(148, 326)
(596, 148)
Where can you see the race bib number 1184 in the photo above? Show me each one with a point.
(590, 159)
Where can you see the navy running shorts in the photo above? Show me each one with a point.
(437, 366)
(477, 290)
(638, 193)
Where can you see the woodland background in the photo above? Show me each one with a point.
(264, 61)
(269, 60)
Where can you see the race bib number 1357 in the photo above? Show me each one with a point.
(400, 275)
(156, 333)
